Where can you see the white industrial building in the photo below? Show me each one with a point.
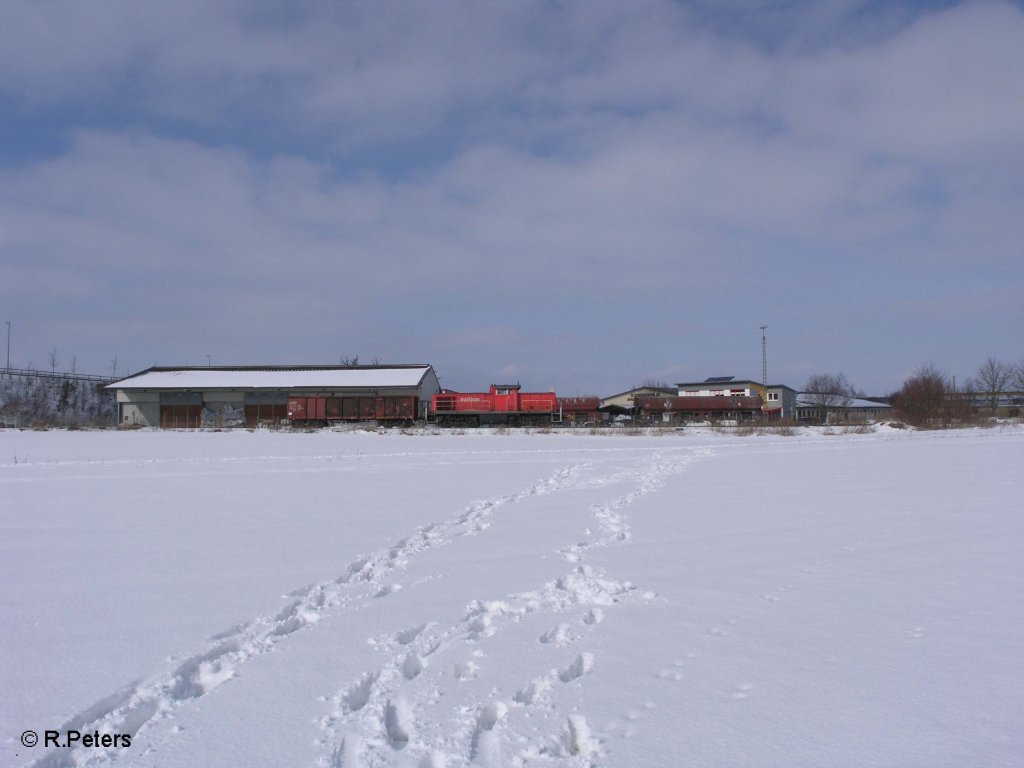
(253, 395)
(779, 401)
(624, 402)
(842, 410)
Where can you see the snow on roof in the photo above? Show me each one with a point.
(732, 381)
(804, 400)
(276, 377)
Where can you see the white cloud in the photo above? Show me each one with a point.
(946, 91)
(630, 166)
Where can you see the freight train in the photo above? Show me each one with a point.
(508, 405)
(502, 405)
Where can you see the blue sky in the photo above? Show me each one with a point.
(577, 196)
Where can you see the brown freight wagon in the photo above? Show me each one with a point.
(683, 409)
(326, 410)
(580, 410)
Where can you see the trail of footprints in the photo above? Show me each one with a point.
(375, 715)
(372, 714)
(393, 710)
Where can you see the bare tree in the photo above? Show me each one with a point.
(54, 360)
(653, 382)
(346, 360)
(46, 400)
(1018, 376)
(992, 380)
(924, 399)
(113, 367)
(827, 392)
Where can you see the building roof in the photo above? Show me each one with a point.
(803, 400)
(729, 382)
(635, 390)
(718, 382)
(276, 377)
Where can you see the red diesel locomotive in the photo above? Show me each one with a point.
(503, 404)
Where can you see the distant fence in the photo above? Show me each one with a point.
(1004, 399)
(54, 375)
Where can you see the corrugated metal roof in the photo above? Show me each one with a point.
(718, 383)
(806, 400)
(276, 377)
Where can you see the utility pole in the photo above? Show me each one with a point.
(764, 360)
(764, 375)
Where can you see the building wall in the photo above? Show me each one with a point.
(429, 387)
(840, 415)
(224, 396)
(781, 402)
(722, 389)
(138, 408)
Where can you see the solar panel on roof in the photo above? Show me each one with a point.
(718, 379)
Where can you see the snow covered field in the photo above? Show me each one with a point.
(361, 599)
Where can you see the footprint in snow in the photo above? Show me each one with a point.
(413, 665)
(559, 636)
(406, 636)
(398, 722)
(532, 693)
(581, 666)
(466, 670)
(356, 697)
(388, 589)
(485, 750)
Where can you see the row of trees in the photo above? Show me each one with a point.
(994, 379)
(929, 396)
(44, 400)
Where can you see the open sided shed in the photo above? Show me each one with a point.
(250, 395)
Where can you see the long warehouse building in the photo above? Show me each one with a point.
(229, 396)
